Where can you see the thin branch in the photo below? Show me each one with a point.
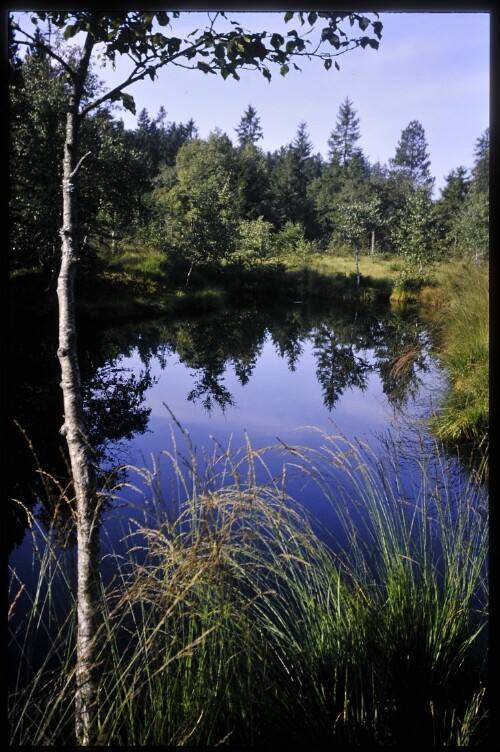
(79, 164)
(46, 49)
(134, 77)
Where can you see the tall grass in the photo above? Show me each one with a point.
(464, 351)
(227, 620)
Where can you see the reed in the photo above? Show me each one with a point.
(226, 619)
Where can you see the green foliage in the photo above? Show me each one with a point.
(343, 139)
(357, 219)
(167, 203)
(253, 193)
(481, 169)
(249, 130)
(471, 227)
(254, 241)
(203, 194)
(289, 243)
(37, 95)
(209, 50)
(293, 169)
(450, 205)
(415, 237)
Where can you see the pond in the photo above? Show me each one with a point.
(164, 395)
(269, 375)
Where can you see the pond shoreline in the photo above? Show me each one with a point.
(117, 295)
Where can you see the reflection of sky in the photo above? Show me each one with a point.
(275, 402)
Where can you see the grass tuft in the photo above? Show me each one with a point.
(227, 620)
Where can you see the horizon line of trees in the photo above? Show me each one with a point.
(205, 200)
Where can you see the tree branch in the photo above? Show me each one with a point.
(80, 161)
(134, 77)
(48, 50)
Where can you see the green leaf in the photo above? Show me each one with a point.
(276, 41)
(128, 102)
(204, 67)
(266, 73)
(328, 63)
(70, 31)
(363, 23)
(284, 70)
(330, 36)
(174, 45)
(288, 16)
(312, 17)
(159, 40)
(162, 18)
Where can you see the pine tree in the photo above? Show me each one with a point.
(472, 223)
(344, 137)
(450, 204)
(249, 130)
(412, 158)
(301, 144)
(480, 171)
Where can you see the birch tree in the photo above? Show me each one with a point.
(222, 47)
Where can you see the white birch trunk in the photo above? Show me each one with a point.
(82, 463)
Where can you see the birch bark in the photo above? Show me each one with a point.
(80, 453)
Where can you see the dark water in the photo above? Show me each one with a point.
(263, 375)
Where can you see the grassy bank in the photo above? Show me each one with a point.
(228, 621)
(462, 322)
(158, 285)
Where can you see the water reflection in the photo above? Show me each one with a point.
(339, 365)
(221, 352)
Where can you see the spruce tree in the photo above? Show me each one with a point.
(412, 158)
(343, 139)
(249, 130)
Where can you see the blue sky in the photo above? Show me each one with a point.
(430, 67)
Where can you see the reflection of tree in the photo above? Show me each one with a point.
(339, 367)
(400, 354)
(209, 386)
(209, 346)
(288, 337)
(113, 402)
(244, 367)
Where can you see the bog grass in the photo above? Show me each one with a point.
(463, 349)
(228, 620)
